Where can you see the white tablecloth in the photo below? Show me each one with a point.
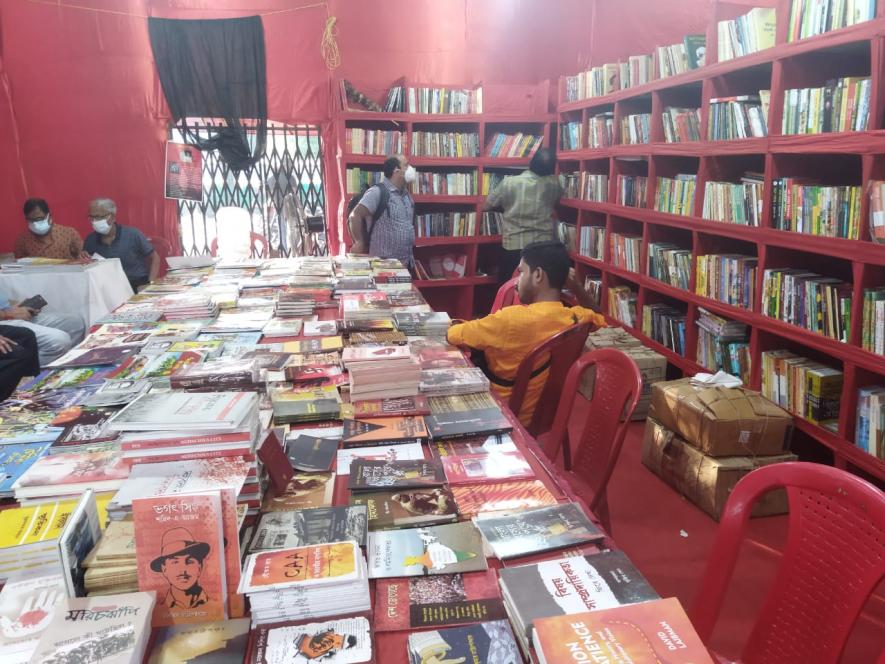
(91, 292)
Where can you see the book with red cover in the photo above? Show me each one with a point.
(383, 430)
(273, 456)
(501, 496)
(395, 407)
(652, 632)
(473, 468)
(61, 474)
(303, 490)
(431, 601)
(179, 548)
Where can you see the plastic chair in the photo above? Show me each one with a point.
(507, 295)
(254, 238)
(558, 353)
(617, 387)
(833, 560)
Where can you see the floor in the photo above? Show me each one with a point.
(668, 539)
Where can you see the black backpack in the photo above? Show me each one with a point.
(381, 209)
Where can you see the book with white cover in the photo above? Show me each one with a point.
(404, 452)
(210, 412)
(26, 605)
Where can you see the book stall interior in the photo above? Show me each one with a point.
(424, 332)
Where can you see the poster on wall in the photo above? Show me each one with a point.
(184, 172)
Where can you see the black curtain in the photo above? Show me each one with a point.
(215, 69)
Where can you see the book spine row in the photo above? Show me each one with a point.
(567, 234)
(377, 142)
(804, 387)
(670, 264)
(445, 144)
(728, 278)
(816, 209)
(636, 129)
(625, 251)
(602, 130)
(446, 224)
(676, 195)
(680, 58)
(752, 32)
(873, 332)
(734, 203)
(491, 223)
(814, 17)
(718, 353)
(571, 135)
(738, 117)
(490, 181)
(594, 187)
(593, 242)
(841, 105)
(357, 178)
(809, 301)
(877, 211)
(869, 430)
(622, 304)
(593, 287)
(514, 146)
(632, 190)
(682, 125)
(666, 325)
(444, 101)
(447, 184)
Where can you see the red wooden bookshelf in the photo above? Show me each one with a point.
(857, 157)
(473, 294)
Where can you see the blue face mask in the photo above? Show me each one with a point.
(101, 226)
(40, 226)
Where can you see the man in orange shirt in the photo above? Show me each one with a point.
(508, 335)
(45, 239)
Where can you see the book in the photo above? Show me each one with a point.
(209, 412)
(474, 468)
(647, 633)
(367, 474)
(394, 407)
(316, 404)
(443, 549)
(71, 473)
(220, 642)
(501, 496)
(305, 566)
(488, 642)
(465, 415)
(321, 525)
(310, 453)
(303, 490)
(179, 546)
(339, 641)
(430, 601)
(95, 357)
(405, 452)
(78, 537)
(537, 530)
(567, 586)
(113, 629)
(15, 459)
(317, 345)
(407, 508)
(26, 606)
(384, 431)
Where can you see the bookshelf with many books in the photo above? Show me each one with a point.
(460, 158)
(782, 228)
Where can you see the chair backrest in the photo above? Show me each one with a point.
(559, 352)
(833, 560)
(599, 435)
(506, 296)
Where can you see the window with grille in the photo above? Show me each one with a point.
(279, 193)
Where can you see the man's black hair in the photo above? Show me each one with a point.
(390, 165)
(35, 203)
(543, 163)
(552, 257)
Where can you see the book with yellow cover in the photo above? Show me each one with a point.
(315, 345)
(301, 566)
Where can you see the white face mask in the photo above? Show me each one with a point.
(101, 226)
(40, 226)
(411, 174)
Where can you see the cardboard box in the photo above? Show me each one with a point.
(705, 481)
(722, 421)
(652, 365)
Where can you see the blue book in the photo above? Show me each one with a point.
(15, 459)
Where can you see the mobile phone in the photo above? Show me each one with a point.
(36, 302)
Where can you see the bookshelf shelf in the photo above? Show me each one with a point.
(826, 159)
(471, 294)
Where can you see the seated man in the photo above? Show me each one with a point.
(56, 333)
(45, 239)
(112, 240)
(508, 335)
(18, 358)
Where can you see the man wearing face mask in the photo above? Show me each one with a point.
(44, 239)
(394, 232)
(112, 240)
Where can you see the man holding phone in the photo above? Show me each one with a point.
(18, 358)
(56, 333)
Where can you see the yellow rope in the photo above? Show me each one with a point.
(329, 46)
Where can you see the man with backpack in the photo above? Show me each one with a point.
(382, 220)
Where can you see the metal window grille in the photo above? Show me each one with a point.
(279, 192)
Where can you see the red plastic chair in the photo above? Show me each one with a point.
(558, 354)
(617, 387)
(833, 560)
(254, 238)
(507, 295)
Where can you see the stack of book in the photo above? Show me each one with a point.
(187, 305)
(735, 203)
(669, 263)
(381, 372)
(371, 306)
(820, 304)
(70, 474)
(806, 388)
(632, 190)
(443, 144)
(749, 33)
(666, 325)
(111, 566)
(225, 374)
(441, 382)
(806, 207)
(682, 124)
(723, 345)
(843, 104)
(567, 234)
(676, 195)
(625, 250)
(303, 404)
(745, 116)
(491, 223)
(729, 278)
(433, 324)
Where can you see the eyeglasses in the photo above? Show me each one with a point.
(98, 218)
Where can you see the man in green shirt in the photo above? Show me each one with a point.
(527, 200)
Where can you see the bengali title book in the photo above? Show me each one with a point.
(61, 474)
(430, 601)
(444, 549)
(536, 530)
(82, 426)
(473, 468)
(113, 629)
(407, 507)
(384, 430)
(26, 605)
(483, 643)
(313, 565)
(567, 586)
(310, 453)
(221, 642)
(315, 376)
(473, 445)
(15, 460)
(321, 525)
(647, 633)
(179, 546)
(209, 412)
(366, 474)
(394, 407)
(501, 496)
(461, 415)
(339, 641)
(303, 490)
(317, 345)
(408, 451)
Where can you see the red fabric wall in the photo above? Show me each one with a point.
(85, 115)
